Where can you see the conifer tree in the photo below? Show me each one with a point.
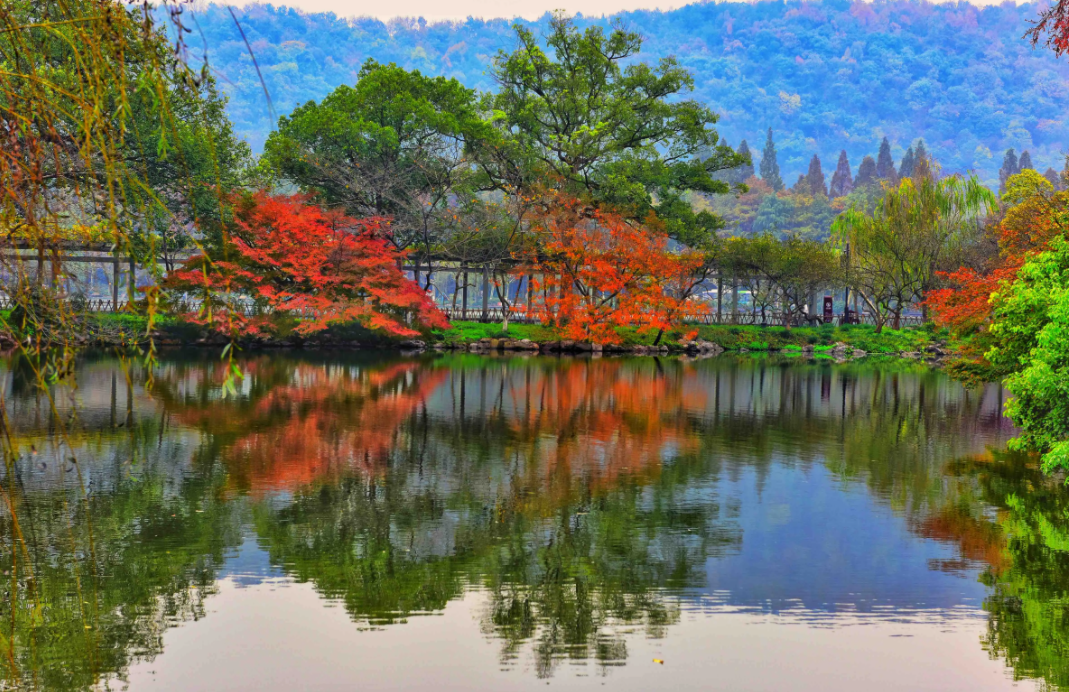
(842, 181)
(1025, 162)
(801, 186)
(769, 164)
(905, 169)
(815, 178)
(1010, 167)
(866, 172)
(745, 170)
(885, 163)
(1054, 178)
(921, 153)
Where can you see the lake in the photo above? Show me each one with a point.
(336, 521)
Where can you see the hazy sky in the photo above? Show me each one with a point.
(436, 10)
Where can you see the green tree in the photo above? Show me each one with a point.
(394, 144)
(585, 114)
(746, 170)
(866, 173)
(842, 181)
(918, 228)
(1010, 167)
(1025, 162)
(815, 178)
(905, 169)
(885, 163)
(769, 164)
(1031, 329)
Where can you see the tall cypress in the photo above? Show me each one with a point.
(842, 181)
(745, 170)
(1054, 178)
(885, 163)
(866, 172)
(1009, 167)
(1025, 161)
(905, 169)
(921, 153)
(815, 178)
(769, 164)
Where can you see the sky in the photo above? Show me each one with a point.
(441, 10)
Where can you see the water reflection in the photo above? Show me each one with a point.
(591, 503)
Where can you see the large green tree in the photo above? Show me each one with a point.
(582, 111)
(393, 144)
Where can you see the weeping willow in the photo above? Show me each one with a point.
(112, 133)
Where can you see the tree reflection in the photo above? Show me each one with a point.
(110, 567)
(583, 497)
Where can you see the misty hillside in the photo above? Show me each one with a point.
(826, 76)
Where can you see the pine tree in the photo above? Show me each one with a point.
(866, 172)
(1025, 162)
(905, 169)
(815, 178)
(1054, 178)
(801, 186)
(842, 181)
(745, 170)
(921, 153)
(769, 164)
(1009, 167)
(885, 163)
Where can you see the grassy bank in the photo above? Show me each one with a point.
(126, 328)
(729, 337)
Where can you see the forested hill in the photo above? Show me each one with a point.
(824, 75)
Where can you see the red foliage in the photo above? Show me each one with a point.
(965, 305)
(291, 257)
(1053, 28)
(595, 272)
(1026, 228)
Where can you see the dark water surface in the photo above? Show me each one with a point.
(359, 521)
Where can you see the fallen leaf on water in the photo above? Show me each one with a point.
(658, 660)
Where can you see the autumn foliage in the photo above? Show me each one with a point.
(292, 259)
(594, 272)
(1035, 214)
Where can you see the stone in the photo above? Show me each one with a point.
(413, 345)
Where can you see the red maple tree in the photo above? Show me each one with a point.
(1036, 215)
(285, 256)
(594, 271)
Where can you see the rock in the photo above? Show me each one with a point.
(567, 345)
(413, 345)
(495, 344)
(858, 353)
(526, 345)
(440, 346)
(910, 354)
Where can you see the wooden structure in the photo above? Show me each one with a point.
(422, 269)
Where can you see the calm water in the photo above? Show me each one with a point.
(375, 522)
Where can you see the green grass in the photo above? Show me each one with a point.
(730, 337)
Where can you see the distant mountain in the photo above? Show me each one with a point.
(824, 75)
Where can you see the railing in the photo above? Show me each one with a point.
(493, 314)
(770, 319)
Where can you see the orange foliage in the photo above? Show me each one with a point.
(978, 540)
(595, 272)
(307, 422)
(291, 257)
(1026, 228)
